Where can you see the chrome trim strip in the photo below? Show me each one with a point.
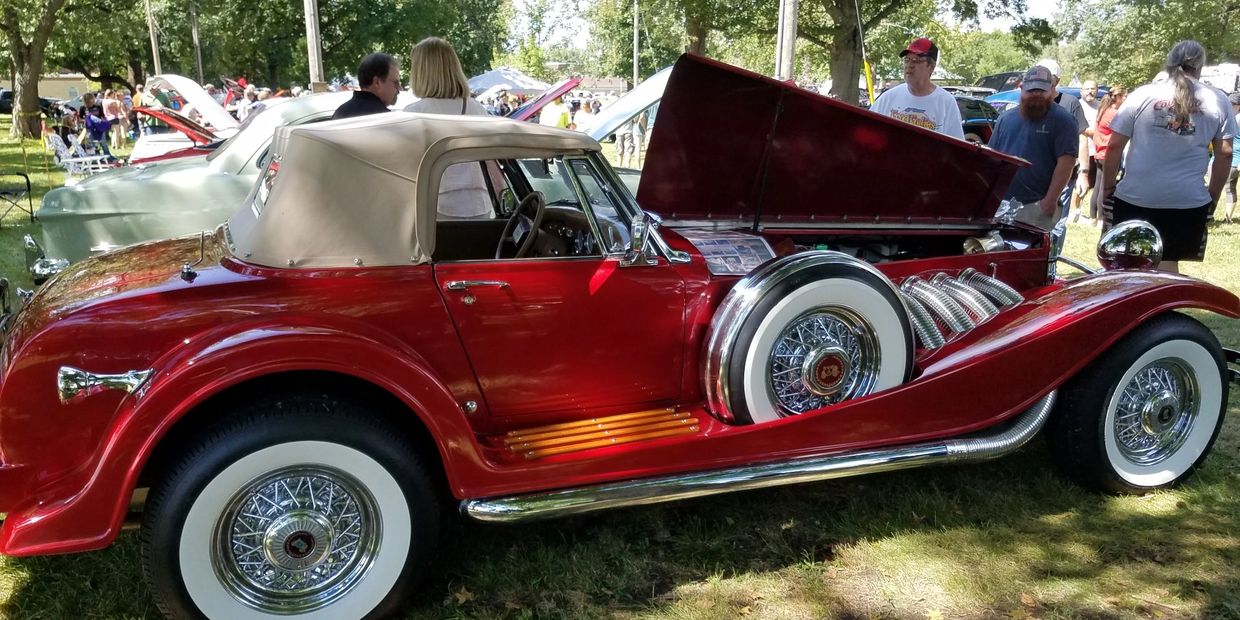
(747, 222)
(72, 383)
(581, 500)
(740, 302)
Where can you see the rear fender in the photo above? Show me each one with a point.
(97, 499)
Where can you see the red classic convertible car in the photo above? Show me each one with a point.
(291, 400)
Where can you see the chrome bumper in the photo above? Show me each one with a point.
(40, 266)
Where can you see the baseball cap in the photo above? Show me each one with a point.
(1038, 77)
(922, 46)
(1049, 64)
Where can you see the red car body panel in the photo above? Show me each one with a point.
(236, 323)
(795, 156)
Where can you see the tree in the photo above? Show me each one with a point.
(661, 29)
(27, 25)
(836, 25)
(104, 40)
(1126, 41)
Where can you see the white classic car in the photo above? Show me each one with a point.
(164, 199)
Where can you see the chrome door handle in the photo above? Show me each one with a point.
(461, 285)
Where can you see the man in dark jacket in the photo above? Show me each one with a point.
(379, 79)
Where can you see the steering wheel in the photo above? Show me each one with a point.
(533, 200)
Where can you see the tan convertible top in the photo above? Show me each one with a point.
(362, 191)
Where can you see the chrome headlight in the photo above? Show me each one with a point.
(1134, 244)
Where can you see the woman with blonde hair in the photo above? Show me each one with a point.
(1169, 128)
(440, 84)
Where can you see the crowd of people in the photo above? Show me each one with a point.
(1162, 154)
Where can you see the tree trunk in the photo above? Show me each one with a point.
(696, 32)
(27, 118)
(27, 64)
(845, 53)
(136, 76)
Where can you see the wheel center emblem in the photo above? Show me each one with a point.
(299, 544)
(826, 371)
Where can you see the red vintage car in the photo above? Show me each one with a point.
(412, 313)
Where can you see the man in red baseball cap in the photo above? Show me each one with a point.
(918, 101)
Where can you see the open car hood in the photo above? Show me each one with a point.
(531, 107)
(779, 155)
(610, 118)
(196, 133)
(193, 94)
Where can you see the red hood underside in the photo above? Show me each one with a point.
(732, 145)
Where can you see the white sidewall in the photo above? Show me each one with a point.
(1210, 389)
(194, 553)
(854, 295)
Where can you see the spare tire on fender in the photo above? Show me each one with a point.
(803, 332)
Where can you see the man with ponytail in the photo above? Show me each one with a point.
(1169, 128)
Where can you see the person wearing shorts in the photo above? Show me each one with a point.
(1169, 127)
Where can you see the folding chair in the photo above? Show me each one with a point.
(75, 166)
(11, 195)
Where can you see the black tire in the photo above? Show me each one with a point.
(1160, 440)
(365, 554)
(845, 294)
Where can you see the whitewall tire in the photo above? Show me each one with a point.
(285, 517)
(814, 334)
(1145, 414)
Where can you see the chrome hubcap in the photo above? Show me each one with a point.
(1156, 411)
(823, 357)
(296, 540)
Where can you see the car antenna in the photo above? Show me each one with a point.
(187, 270)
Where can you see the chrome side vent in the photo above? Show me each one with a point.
(927, 332)
(944, 307)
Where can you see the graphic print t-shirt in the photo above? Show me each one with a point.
(937, 111)
(1166, 162)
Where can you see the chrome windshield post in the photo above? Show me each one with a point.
(640, 253)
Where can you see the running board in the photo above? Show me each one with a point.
(575, 501)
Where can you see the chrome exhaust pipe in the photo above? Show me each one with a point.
(580, 500)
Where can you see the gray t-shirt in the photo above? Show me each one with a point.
(1042, 142)
(1073, 106)
(1166, 161)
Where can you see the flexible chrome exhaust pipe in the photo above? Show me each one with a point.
(568, 502)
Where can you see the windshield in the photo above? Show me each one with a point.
(268, 123)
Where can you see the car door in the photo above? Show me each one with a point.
(576, 332)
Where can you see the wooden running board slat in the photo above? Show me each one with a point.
(592, 421)
(602, 434)
(671, 432)
(538, 434)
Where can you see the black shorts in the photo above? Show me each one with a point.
(1091, 175)
(1183, 231)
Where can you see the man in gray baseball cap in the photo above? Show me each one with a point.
(1043, 133)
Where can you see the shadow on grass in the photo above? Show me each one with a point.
(663, 560)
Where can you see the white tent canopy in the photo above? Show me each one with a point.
(510, 80)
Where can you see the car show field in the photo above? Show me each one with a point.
(766, 325)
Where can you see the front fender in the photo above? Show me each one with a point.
(1061, 328)
(97, 496)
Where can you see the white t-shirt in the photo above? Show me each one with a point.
(1165, 166)
(462, 190)
(937, 111)
(1091, 117)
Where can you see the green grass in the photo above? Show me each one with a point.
(1011, 539)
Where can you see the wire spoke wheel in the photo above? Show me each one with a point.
(296, 540)
(823, 357)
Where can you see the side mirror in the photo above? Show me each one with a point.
(638, 253)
